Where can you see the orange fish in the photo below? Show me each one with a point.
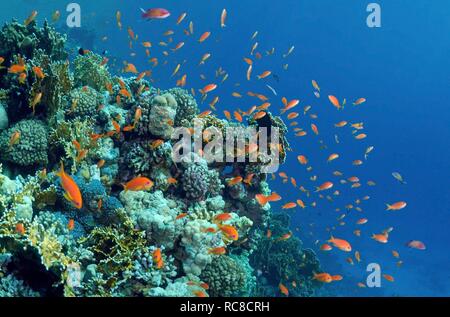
(14, 69)
(237, 116)
(31, 18)
(38, 72)
(248, 61)
(361, 221)
(301, 203)
(130, 68)
(182, 215)
(204, 37)
(302, 159)
(217, 251)
(71, 224)
(323, 277)
(208, 88)
(334, 101)
(265, 74)
(259, 115)
(388, 277)
(340, 244)
(283, 289)
(289, 105)
(235, 180)
(332, 157)
(200, 294)
(382, 238)
(336, 277)
(230, 232)
(396, 206)
(289, 205)
(20, 229)
(324, 186)
(72, 192)
(181, 18)
(326, 247)
(249, 72)
(14, 139)
(222, 217)
(285, 236)
(137, 184)
(340, 124)
(314, 129)
(263, 200)
(223, 17)
(359, 101)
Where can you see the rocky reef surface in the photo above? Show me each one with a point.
(158, 242)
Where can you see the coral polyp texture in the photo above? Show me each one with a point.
(73, 127)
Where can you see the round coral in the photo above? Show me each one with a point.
(32, 145)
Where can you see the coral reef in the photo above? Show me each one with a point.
(31, 147)
(193, 229)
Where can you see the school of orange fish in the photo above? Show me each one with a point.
(326, 187)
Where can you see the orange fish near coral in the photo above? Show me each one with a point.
(71, 225)
(72, 192)
(38, 72)
(283, 289)
(263, 200)
(137, 184)
(323, 277)
(217, 251)
(20, 229)
(31, 18)
(340, 244)
(230, 232)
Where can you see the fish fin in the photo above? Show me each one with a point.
(142, 10)
(67, 196)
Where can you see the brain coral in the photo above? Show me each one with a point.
(224, 276)
(32, 146)
(84, 102)
(187, 107)
(199, 181)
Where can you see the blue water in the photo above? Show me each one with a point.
(402, 70)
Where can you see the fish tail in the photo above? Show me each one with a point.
(61, 171)
(388, 207)
(142, 10)
(124, 187)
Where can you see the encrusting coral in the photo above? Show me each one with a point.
(190, 231)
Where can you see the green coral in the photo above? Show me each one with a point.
(90, 72)
(32, 145)
(187, 107)
(16, 38)
(83, 102)
(225, 277)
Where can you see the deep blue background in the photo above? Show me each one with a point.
(401, 68)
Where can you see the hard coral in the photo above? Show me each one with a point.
(32, 146)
